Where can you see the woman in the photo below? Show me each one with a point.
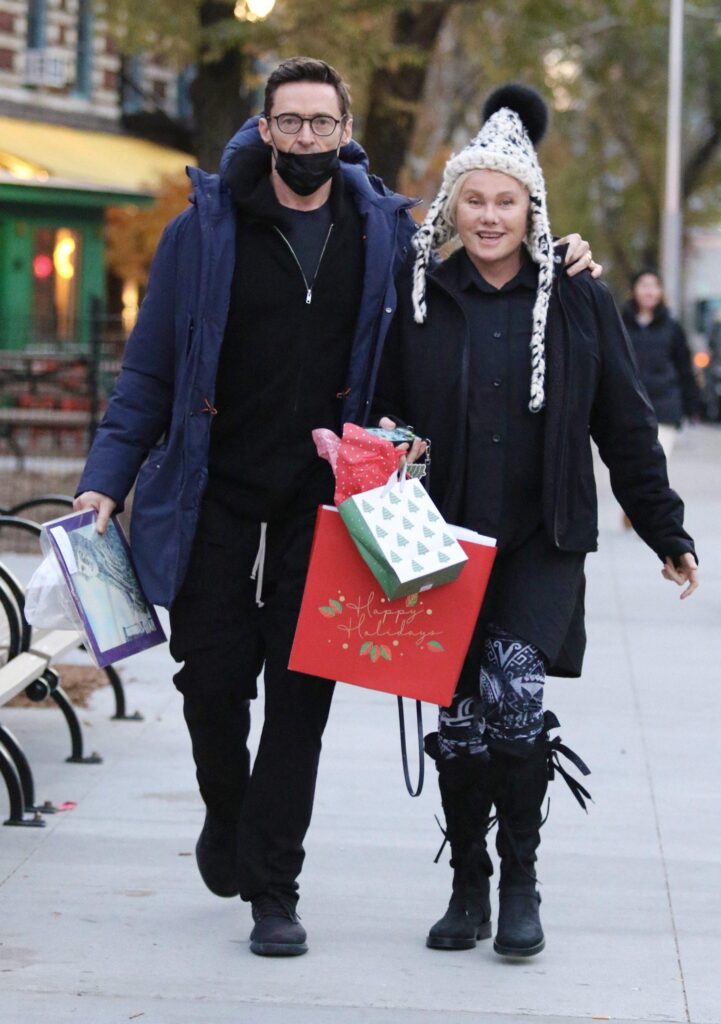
(663, 357)
(515, 462)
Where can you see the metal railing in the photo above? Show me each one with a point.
(53, 392)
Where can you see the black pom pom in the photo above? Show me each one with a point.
(527, 103)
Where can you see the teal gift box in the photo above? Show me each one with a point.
(402, 537)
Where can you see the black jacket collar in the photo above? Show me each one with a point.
(458, 273)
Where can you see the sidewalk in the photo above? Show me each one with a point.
(104, 918)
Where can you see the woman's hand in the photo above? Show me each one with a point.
(102, 504)
(685, 572)
(579, 256)
(417, 449)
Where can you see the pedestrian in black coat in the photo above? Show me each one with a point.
(514, 462)
(662, 355)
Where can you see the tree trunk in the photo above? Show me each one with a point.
(220, 101)
(396, 88)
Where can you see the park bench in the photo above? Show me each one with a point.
(29, 656)
(31, 671)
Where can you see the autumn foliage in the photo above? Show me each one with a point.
(133, 232)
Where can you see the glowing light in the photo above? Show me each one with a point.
(42, 267)
(22, 169)
(701, 360)
(130, 305)
(253, 10)
(63, 258)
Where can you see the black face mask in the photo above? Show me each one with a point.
(305, 173)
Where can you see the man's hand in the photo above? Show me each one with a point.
(685, 572)
(579, 256)
(417, 449)
(102, 504)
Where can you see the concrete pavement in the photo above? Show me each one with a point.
(103, 917)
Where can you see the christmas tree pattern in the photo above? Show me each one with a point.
(411, 536)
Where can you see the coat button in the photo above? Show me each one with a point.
(496, 438)
(496, 383)
(497, 334)
(389, 309)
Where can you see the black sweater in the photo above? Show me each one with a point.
(284, 360)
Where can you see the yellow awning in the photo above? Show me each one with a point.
(34, 152)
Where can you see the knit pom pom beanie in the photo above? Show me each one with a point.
(515, 120)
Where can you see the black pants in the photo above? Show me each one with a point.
(224, 641)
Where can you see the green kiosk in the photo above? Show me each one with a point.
(56, 183)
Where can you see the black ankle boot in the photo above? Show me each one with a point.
(519, 923)
(277, 931)
(466, 799)
(216, 854)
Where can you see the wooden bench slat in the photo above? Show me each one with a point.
(19, 673)
(51, 644)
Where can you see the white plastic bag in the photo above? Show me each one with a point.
(48, 604)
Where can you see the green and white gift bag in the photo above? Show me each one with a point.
(402, 537)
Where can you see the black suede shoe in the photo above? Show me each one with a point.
(216, 853)
(457, 929)
(277, 931)
(519, 923)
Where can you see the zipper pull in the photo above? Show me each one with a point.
(308, 296)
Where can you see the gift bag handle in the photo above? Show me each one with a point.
(404, 752)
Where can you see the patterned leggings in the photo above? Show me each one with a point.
(504, 705)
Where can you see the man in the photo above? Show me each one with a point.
(267, 308)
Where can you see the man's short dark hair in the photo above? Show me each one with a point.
(307, 69)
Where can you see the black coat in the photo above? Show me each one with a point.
(592, 391)
(664, 364)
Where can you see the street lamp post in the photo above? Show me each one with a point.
(672, 247)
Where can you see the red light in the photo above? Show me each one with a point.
(701, 359)
(42, 266)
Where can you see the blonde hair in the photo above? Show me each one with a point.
(450, 207)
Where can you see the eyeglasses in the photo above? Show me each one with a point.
(322, 124)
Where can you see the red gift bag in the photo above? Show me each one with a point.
(349, 631)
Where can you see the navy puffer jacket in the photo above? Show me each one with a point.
(157, 425)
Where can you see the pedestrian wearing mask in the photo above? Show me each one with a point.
(511, 368)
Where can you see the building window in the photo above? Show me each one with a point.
(185, 105)
(160, 91)
(131, 90)
(84, 51)
(55, 285)
(36, 24)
